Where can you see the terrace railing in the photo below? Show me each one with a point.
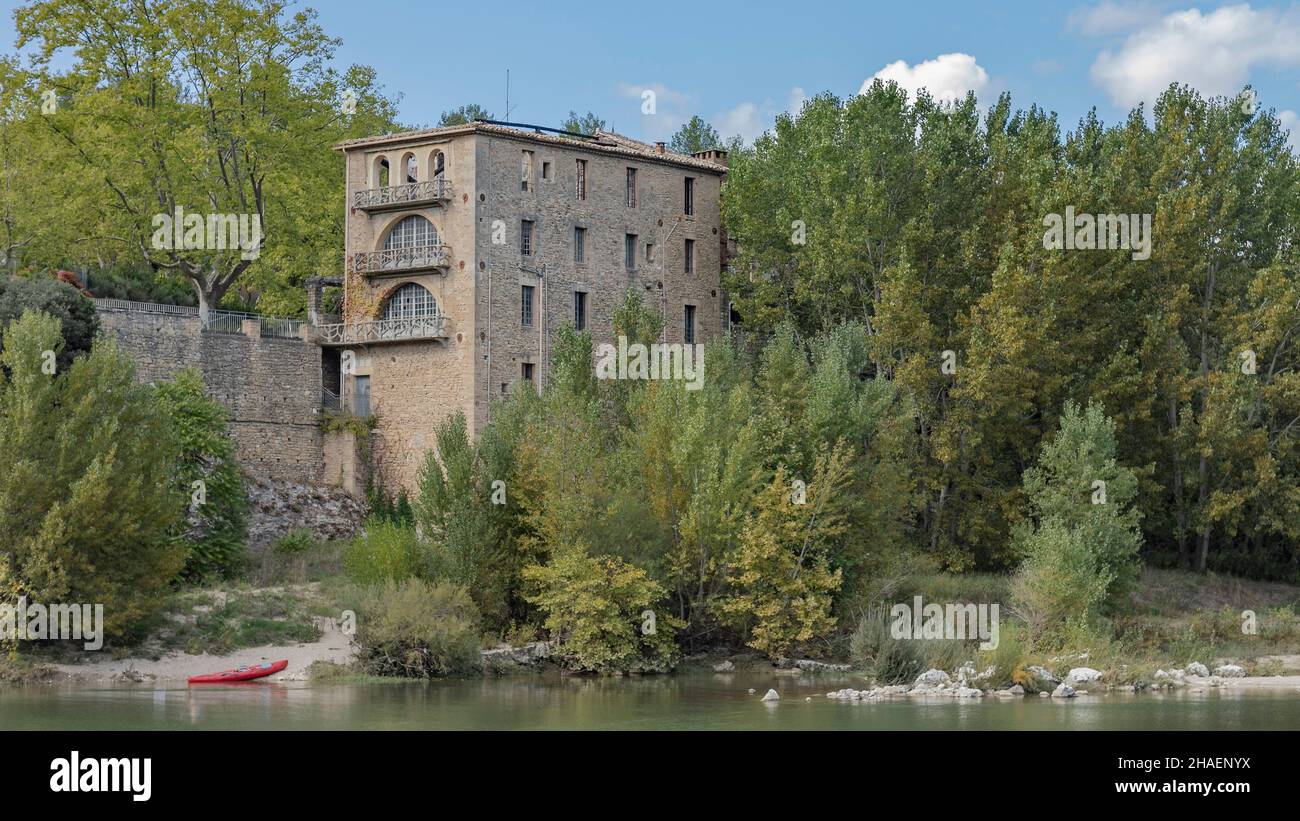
(383, 330)
(399, 260)
(429, 192)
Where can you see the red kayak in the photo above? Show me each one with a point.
(247, 673)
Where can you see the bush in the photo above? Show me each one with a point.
(1005, 658)
(417, 629)
(294, 543)
(889, 660)
(88, 497)
(597, 607)
(384, 551)
(1060, 582)
(217, 522)
(78, 321)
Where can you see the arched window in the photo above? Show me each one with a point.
(412, 232)
(381, 172)
(411, 301)
(412, 166)
(438, 164)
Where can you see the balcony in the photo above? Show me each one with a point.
(402, 260)
(383, 330)
(408, 195)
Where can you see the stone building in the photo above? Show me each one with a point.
(466, 249)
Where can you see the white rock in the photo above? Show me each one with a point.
(1198, 669)
(1230, 671)
(724, 667)
(968, 692)
(772, 695)
(932, 678)
(1042, 674)
(1083, 675)
(1063, 691)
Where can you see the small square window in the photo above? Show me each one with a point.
(527, 372)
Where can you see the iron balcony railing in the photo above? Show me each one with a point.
(417, 258)
(431, 192)
(383, 330)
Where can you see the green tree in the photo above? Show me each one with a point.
(217, 522)
(218, 107)
(694, 135)
(464, 115)
(588, 123)
(76, 314)
(88, 497)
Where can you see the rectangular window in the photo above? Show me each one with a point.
(527, 171)
(526, 237)
(361, 395)
(580, 310)
(582, 179)
(690, 196)
(690, 256)
(527, 372)
(631, 188)
(650, 253)
(579, 245)
(629, 251)
(546, 171)
(688, 323)
(526, 305)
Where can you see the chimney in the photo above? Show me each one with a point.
(717, 156)
(660, 147)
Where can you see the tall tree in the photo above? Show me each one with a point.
(588, 123)
(463, 115)
(694, 135)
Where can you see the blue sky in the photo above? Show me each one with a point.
(739, 64)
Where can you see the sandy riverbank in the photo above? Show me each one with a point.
(332, 646)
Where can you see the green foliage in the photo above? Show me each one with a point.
(295, 543)
(781, 577)
(694, 135)
(75, 313)
(463, 115)
(889, 660)
(217, 523)
(385, 551)
(588, 123)
(88, 497)
(1081, 556)
(599, 607)
(417, 629)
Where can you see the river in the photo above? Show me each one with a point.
(550, 702)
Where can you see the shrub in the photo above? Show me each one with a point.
(889, 660)
(384, 551)
(88, 498)
(417, 629)
(597, 607)
(295, 542)
(217, 522)
(1059, 582)
(78, 322)
(1005, 658)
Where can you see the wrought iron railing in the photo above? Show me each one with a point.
(329, 400)
(144, 307)
(382, 330)
(402, 259)
(411, 193)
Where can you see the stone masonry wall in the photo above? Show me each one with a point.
(271, 386)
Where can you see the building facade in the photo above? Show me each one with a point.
(468, 247)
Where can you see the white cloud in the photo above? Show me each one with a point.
(749, 120)
(1109, 17)
(947, 77)
(671, 109)
(1211, 52)
(1291, 122)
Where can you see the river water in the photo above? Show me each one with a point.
(551, 702)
